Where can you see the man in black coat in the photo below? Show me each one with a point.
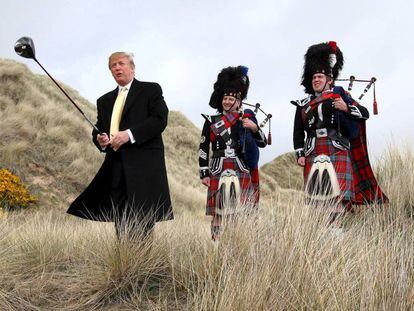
(131, 187)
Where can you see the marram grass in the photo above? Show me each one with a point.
(281, 258)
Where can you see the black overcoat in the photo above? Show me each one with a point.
(145, 114)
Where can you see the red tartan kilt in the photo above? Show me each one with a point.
(341, 162)
(245, 185)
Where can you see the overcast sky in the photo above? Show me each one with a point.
(184, 44)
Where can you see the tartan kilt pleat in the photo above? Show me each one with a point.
(245, 185)
(341, 162)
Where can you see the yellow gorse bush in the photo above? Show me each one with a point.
(13, 194)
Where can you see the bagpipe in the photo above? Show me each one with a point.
(342, 93)
(266, 120)
(371, 83)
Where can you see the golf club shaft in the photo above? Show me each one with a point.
(71, 100)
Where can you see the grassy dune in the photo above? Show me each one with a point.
(44, 140)
(282, 258)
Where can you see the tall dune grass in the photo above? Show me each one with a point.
(282, 258)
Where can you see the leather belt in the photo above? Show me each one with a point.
(227, 153)
(322, 132)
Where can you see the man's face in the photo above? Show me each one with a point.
(321, 82)
(121, 70)
(230, 103)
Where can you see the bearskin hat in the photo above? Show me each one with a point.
(230, 81)
(324, 58)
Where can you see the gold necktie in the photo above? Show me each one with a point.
(117, 111)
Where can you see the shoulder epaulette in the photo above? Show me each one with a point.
(206, 117)
(301, 102)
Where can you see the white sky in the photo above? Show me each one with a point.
(184, 44)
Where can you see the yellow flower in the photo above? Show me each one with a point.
(13, 194)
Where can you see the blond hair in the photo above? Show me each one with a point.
(130, 57)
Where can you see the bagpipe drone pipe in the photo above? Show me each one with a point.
(250, 146)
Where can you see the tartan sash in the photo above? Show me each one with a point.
(314, 103)
(222, 127)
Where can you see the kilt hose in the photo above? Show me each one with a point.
(254, 175)
(245, 197)
(341, 162)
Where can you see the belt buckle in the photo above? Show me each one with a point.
(229, 153)
(219, 124)
(321, 133)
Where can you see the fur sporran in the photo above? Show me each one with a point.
(322, 183)
(228, 194)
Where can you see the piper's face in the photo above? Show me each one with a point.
(230, 103)
(321, 82)
(122, 70)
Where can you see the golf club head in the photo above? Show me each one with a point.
(25, 47)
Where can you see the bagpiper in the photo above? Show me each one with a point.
(329, 136)
(234, 136)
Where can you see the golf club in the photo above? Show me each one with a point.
(24, 47)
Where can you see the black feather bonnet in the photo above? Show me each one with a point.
(231, 81)
(324, 58)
